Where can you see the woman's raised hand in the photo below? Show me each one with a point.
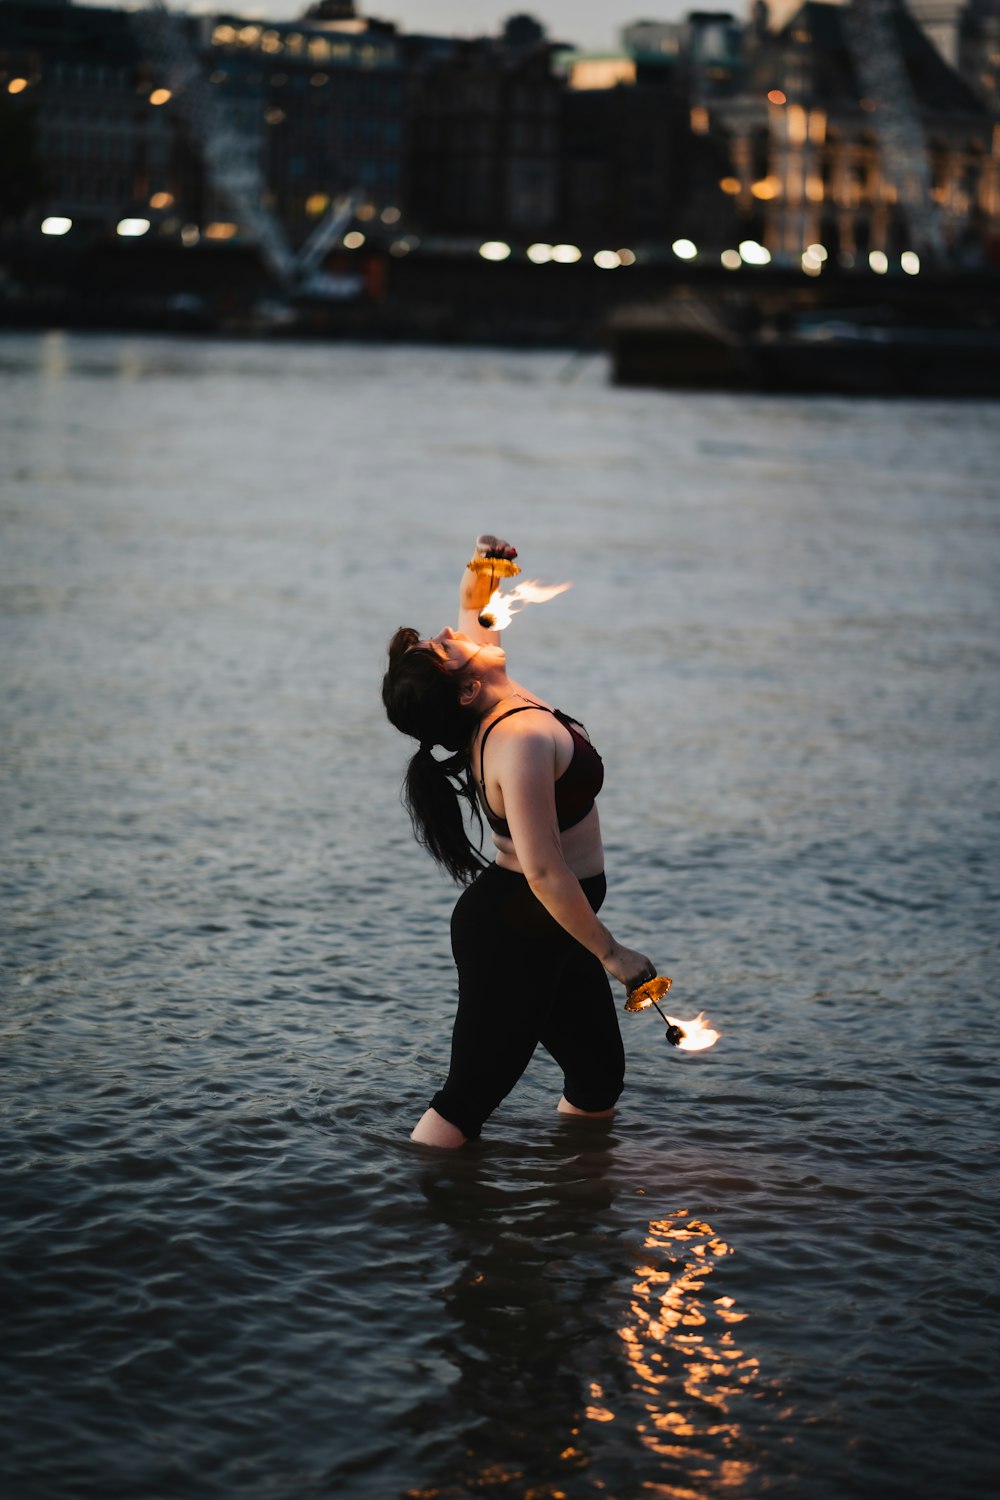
(494, 546)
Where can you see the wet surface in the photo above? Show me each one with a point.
(227, 986)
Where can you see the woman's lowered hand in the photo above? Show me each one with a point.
(628, 966)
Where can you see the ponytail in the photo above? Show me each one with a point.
(421, 698)
(433, 793)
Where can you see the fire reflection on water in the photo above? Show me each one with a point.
(535, 1318)
(686, 1365)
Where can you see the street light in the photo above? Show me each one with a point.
(754, 254)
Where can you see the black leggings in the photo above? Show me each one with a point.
(523, 980)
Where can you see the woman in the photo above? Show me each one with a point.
(532, 954)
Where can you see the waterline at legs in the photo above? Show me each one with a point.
(565, 1108)
(433, 1129)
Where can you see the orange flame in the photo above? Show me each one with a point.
(503, 607)
(698, 1034)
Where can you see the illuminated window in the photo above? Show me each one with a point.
(601, 72)
(796, 119)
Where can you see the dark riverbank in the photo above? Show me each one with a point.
(448, 295)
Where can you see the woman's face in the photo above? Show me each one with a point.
(457, 650)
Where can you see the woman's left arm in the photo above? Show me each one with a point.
(524, 765)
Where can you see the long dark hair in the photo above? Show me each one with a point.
(421, 697)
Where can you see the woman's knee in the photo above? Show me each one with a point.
(596, 1089)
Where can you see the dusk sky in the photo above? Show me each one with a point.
(590, 24)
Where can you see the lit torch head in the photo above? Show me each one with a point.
(502, 608)
(695, 1036)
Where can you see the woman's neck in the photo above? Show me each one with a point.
(500, 692)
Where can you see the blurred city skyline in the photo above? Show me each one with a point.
(592, 25)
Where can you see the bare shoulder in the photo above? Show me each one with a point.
(526, 739)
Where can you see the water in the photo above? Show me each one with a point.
(227, 983)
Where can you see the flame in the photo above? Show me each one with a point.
(697, 1033)
(503, 607)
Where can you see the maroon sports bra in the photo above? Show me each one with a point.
(575, 789)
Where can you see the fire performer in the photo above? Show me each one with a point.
(533, 956)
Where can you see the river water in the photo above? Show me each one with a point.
(227, 984)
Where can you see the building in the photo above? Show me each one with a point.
(811, 163)
(312, 108)
(326, 95)
(103, 139)
(192, 129)
(484, 138)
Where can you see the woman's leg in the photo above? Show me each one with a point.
(565, 1108)
(581, 1029)
(510, 956)
(433, 1129)
(581, 1032)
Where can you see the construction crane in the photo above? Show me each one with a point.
(230, 157)
(874, 42)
